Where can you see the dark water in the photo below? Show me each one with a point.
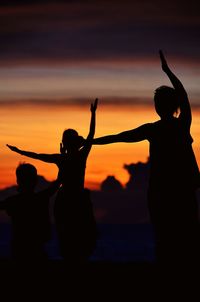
(116, 243)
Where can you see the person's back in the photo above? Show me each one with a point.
(172, 159)
(72, 171)
(29, 212)
(31, 226)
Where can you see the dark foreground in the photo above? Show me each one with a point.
(95, 281)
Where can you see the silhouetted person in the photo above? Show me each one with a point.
(29, 212)
(74, 218)
(174, 174)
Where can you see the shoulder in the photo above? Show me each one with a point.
(148, 126)
(85, 150)
(148, 129)
(13, 198)
(10, 202)
(42, 195)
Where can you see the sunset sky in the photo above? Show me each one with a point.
(56, 57)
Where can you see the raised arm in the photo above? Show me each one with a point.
(93, 109)
(131, 136)
(89, 140)
(185, 110)
(48, 158)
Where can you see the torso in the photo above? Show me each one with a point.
(173, 164)
(30, 216)
(72, 171)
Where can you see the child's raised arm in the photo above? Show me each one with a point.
(93, 109)
(48, 158)
(185, 110)
(89, 140)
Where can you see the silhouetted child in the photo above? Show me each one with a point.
(174, 174)
(74, 218)
(29, 212)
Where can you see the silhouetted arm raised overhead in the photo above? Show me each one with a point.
(89, 140)
(185, 110)
(48, 158)
(132, 136)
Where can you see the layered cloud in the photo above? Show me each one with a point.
(109, 49)
(97, 30)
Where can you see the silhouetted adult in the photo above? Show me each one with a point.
(74, 218)
(29, 212)
(174, 174)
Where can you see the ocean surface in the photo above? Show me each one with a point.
(116, 243)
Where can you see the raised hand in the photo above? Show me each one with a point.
(165, 67)
(94, 106)
(12, 148)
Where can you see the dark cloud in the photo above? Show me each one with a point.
(71, 30)
(105, 101)
(84, 102)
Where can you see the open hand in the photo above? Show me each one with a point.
(165, 67)
(94, 106)
(12, 148)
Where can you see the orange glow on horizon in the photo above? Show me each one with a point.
(39, 129)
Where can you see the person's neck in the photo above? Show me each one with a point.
(167, 118)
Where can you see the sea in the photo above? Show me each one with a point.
(119, 243)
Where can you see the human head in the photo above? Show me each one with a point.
(166, 101)
(71, 140)
(26, 177)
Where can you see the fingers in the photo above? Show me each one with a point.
(12, 148)
(94, 105)
(162, 56)
(164, 64)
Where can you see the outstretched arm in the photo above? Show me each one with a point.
(48, 158)
(185, 110)
(89, 140)
(131, 136)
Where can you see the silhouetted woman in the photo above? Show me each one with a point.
(174, 174)
(75, 223)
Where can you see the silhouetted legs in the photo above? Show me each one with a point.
(28, 251)
(175, 220)
(75, 225)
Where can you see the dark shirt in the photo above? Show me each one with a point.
(71, 168)
(172, 160)
(29, 214)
